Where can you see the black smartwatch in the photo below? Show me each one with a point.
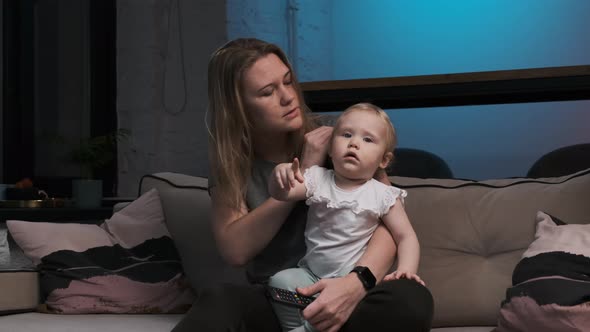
(365, 275)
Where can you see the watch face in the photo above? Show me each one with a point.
(366, 276)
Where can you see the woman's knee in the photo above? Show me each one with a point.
(404, 304)
(409, 299)
(230, 307)
(407, 289)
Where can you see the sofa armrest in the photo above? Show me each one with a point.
(20, 290)
(19, 279)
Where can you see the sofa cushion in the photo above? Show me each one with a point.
(191, 227)
(128, 264)
(473, 233)
(551, 284)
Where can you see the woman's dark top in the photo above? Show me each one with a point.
(288, 246)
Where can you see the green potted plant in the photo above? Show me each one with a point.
(90, 155)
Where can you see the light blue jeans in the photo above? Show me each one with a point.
(290, 316)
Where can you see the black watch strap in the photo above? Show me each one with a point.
(365, 275)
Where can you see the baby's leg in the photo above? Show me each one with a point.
(290, 316)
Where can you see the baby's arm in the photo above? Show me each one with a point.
(286, 182)
(408, 248)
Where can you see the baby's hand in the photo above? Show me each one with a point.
(286, 174)
(404, 274)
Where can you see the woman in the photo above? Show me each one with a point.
(259, 119)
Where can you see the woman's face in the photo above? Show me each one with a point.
(269, 97)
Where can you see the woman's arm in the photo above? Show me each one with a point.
(241, 234)
(380, 253)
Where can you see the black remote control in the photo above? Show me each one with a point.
(288, 297)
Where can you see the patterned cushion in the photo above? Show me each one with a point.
(128, 264)
(551, 284)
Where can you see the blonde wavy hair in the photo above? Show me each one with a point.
(231, 150)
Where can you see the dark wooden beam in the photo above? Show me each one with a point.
(477, 88)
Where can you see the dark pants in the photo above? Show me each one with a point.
(400, 305)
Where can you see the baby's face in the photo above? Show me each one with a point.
(359, 145)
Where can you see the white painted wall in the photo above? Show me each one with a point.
(163, 47)
(302, 28)
(263, 19)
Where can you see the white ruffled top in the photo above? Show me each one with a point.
(341, 222)
(372, 197)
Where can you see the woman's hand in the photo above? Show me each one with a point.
(315, 148)
(332, 308)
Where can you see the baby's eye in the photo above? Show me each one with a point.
(368, 139)
(288, 82)
(347, 135)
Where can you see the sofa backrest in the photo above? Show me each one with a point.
(473, 233)
(187, 208)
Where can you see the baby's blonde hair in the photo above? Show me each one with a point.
(391, 137)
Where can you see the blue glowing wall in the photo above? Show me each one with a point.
(400, 38)
(397, 38)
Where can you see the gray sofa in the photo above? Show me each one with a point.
(472, 235)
